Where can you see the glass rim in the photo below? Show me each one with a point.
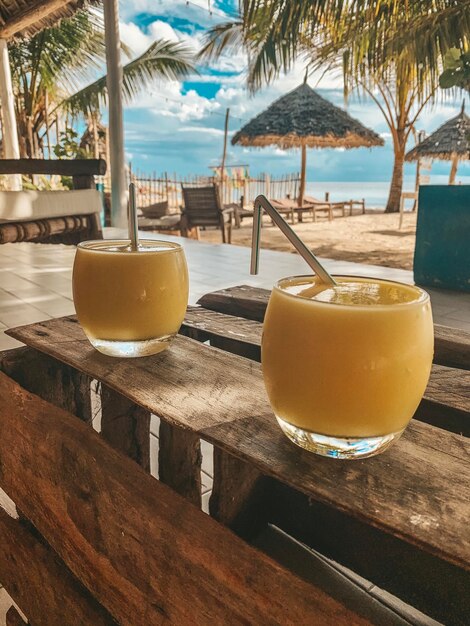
(104, 245)
(423, 295)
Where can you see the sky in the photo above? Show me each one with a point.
(177, 126)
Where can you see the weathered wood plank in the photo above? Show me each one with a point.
(149, 556)
(243, 301)
(125, 426)
(451, 346)
(39, 582)
(59, 384)
(240, 495)
(446, 402)
(75, 167)
(417, 490)
(179, 461)
(437, 588)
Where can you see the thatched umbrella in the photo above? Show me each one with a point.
(302, 118)
(450, 142)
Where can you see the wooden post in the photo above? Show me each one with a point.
(453, 169)
(224, 154)
(267, 185)
(11, 149)
(116, 129)
(303, 169)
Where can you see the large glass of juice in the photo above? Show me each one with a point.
(345, 367)
(130, 303)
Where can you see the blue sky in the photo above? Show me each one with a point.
(178, 126)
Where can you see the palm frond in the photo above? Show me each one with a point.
(163, 59)
(221, 38)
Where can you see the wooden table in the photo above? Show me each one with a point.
(400, 520)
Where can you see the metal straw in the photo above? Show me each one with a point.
(262, 202)
(132, 219)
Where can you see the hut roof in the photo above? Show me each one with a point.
(25, 18)
(449, 140)
(303, 117)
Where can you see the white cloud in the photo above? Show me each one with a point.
(196, 11)
(134, 37)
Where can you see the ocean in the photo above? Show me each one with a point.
(375, 194)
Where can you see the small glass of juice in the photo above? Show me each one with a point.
(130, 303)
(345, 366)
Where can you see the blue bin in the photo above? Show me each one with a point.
(442, 251)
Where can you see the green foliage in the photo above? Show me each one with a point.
(456, 70)
(49, 70)
(164, 59)
(376, 33)
(69, 146)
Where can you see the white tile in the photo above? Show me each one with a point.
(7, 343)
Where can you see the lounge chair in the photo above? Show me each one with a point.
(342, 206)
(202, 207)
(291, 208)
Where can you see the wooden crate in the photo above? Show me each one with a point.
(115, 545)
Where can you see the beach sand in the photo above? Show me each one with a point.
(372, 238)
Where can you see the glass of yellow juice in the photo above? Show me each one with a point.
(345, 366)
(130, 303)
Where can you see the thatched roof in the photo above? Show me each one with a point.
(303, 117)
(450, 140)
(25, 18)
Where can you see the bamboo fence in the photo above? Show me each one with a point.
(235, 189)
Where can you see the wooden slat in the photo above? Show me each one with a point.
(39, 582)
(244, 301)
(179, 461)
(65, 387)
(451, 346)
(125, 426)
(147, 555)
(240, 495)
(417, 490)
(75, 167)
(446, 402)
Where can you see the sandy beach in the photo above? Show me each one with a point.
(372, 238)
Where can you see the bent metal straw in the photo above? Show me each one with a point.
(262, 202)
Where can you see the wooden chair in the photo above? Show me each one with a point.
(202, 207)
(52, 216)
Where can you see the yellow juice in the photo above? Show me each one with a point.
(130, 296)
(351, 361)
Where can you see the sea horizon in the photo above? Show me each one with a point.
(374, 193)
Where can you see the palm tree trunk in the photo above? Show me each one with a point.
(396, 185)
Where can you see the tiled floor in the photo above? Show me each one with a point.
(35, 284)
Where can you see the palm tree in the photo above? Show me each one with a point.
(48, 70)
(393, 47)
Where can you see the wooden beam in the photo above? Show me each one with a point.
(30, 15)
(75, 167)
